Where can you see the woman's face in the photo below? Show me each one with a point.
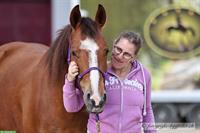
(123, 53)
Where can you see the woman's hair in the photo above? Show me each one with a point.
(132, 37)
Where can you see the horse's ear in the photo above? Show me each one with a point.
(75, 16)
(100, 16)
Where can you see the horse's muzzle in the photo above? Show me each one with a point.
(93, 105)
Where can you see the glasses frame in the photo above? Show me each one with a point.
(126, 55)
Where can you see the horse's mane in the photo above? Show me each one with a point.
(57, 54)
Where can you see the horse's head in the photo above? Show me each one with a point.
(89, 50)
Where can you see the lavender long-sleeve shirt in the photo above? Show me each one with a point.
(128, 106)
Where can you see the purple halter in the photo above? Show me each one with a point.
(80, 76)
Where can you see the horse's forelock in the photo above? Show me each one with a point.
(88, 27)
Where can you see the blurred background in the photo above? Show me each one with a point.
(171, 33)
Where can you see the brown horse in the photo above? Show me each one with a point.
(32, 76)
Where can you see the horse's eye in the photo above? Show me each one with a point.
(106, 51)
(75, 54)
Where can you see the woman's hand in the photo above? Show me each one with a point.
(72, 71)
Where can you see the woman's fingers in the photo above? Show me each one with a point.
(72, 71)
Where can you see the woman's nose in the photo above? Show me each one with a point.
(120, 56)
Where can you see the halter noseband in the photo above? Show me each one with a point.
(80, 76)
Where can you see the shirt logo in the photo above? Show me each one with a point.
(114, 83)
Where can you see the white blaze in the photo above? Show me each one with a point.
(91, 47)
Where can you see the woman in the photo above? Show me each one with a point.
(128, 88)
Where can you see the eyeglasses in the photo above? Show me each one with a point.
(117, 50)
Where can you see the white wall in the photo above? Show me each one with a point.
(60, 11)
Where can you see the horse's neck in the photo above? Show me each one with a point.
(47, 85)
(54, 62)
(51, 71)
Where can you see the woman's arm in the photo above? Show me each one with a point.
(72, 97)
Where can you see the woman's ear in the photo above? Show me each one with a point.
(133, 59)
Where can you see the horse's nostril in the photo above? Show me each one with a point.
(101, 103)
(104, 97)
(93, 102)
(88, 96)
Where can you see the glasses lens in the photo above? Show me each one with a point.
(117, 50)
(127, 56)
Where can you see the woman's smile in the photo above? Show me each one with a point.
(117, 60)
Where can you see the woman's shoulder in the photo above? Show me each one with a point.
(109, 63)
(145, 70)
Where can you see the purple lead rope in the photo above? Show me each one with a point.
(68, 56)
(98, 123)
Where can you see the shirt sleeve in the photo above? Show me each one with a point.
(72, 97)
(148, 119)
